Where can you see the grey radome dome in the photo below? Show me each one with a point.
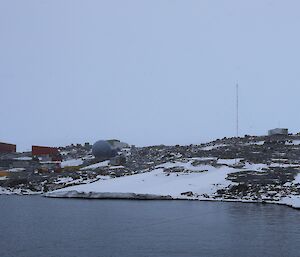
(102, 149)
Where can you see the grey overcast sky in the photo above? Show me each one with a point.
(146, 72)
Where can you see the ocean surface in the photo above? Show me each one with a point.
(33, 226)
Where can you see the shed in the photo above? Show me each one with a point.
(278, 131)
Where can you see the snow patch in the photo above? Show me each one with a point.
(16, 170)
(25, 158)
(255, 166)
(211, 147)
(96, 165)
(256, 143)
(229, 161)
(72, 162)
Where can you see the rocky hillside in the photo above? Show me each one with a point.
(254, 168)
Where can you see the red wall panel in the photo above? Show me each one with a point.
(7, 148)
(44, 150)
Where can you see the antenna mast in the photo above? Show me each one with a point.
(237, 110)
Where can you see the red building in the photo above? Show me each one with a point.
(7, 148)
(44, 150)
(49, 158)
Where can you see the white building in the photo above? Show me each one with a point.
(278, 131)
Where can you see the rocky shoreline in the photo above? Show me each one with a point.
(249, 169)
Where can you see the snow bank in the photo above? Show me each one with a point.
(156, 183)
(292, 200)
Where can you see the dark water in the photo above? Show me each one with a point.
(32, 226)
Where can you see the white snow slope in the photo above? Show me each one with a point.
(155, 183)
